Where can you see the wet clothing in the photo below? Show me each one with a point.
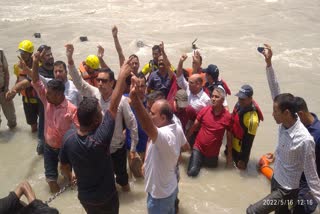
(161, 161)
(280, 200)
(305, 195)
(10, 204)
(197, 160)
(29, 98)
(209, 139)
(95, 182)
(213, 127)
(162, 205)
(245, 122)
(110, 206)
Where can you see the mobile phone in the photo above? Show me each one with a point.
(260, 49)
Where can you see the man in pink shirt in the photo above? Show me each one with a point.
(213, 121)
(60, 114)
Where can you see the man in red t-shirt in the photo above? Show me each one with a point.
(213, 122)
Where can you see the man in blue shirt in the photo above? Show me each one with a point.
(307, 202)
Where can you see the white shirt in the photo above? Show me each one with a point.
(295, 154)
(197, 101)
(161, 161)
(295, 151)
(124, 112)
(71, 92)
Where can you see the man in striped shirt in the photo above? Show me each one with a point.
(294, 154)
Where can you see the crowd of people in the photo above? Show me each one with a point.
(97, 128)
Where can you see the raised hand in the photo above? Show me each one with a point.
(267, 53)
(196, 58)
(37, 56)
(162, 47)
(69, 50)
(183, 57)
(100, 53)
(114, 31)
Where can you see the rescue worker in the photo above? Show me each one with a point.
(23, 86)
(246, 116)
(89, 69)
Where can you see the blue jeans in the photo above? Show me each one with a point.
(51, 160)
(162, 205)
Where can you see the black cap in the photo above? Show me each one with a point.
(245, 92)
(212, 70)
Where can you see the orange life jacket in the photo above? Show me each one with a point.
(89, 78)
(29, 93)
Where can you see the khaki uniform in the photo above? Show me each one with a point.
(7, 106)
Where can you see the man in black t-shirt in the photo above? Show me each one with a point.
(87, 149)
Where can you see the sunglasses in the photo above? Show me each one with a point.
(102, 80)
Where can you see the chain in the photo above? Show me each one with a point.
(63, 189)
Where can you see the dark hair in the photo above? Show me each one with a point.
(87, 110)
(56, 85)
(166, 109)
(45, 47)
(57, 63)
(155, 95)
(200, 59)
(140, 75)
(156, 47)
(301, 104)
(38, 207)
(108, 71)
(286, 101)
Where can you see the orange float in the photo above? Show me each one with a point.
(264, 163)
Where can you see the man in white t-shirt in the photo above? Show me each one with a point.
(162, 152)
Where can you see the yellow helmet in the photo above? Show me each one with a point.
(27, 46)
(93, 62)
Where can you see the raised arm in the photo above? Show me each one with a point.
(118, 46)
(180, 65)
(84, 88)
(181, 81)
(141, 113)
(35, 66)
(196, 62)
(100, 55)
(125, 71)
(272, 79)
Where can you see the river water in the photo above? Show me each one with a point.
(228, 34)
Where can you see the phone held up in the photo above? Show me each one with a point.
(260, 49)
